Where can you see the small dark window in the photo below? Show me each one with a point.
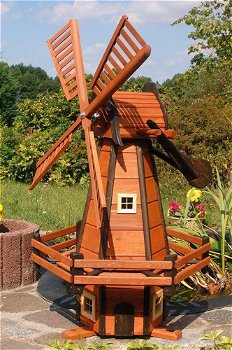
(88, 305)
(126, 203)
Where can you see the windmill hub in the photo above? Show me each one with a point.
(123, 264)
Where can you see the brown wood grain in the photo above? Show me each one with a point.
(151, 186)
(88, 255)
(160, 255)
(180, 248)
(65, 244)
(91, 218)
(124, 279)
(129, 222)
(190, 270)
(91, 238)
(129, 41)
(192, 255)
(125, 243)
(51, 252)
(148, 171)
(104, 162)
(52, 268)
(154, 214)
(123, 264)
(124, 48)
(122, 186)
(133, 31)
(107, 51)
(126, 166)
(157, 239)
(59, 233)
(119, 56)
(185, 236)
(60, 32)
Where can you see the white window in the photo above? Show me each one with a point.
(157, 304)
(88, 305)
(126, 203)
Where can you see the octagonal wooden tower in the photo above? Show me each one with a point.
(121, 263)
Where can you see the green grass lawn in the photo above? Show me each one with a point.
(50, 207)
(53, 207)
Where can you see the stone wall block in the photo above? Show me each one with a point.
(28, 269)
(11, 256)
(16, 267)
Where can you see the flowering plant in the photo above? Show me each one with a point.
(194, 208)
(174, 208)
(1, 212)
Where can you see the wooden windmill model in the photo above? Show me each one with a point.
(121, 264)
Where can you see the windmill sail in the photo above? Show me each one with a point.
(125, 52)
(51, 156)
(66, 53)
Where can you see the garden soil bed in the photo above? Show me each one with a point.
(15, 253)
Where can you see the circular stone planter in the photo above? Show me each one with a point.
(16, 266)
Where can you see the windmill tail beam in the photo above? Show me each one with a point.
(197, 171)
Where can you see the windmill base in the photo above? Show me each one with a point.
(81, 333)
(77, 333)
(166, 334)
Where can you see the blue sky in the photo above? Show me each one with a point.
(26, 26)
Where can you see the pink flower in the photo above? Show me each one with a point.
(167, 102)
(201, 208)
(174, 206)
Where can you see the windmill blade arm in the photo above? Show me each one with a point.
(98, 194)
(109, 89)
(51, 156)
(45, 166)
(197, 171)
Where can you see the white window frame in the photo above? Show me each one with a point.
(84, 312)
(120, 210)
(157, 300)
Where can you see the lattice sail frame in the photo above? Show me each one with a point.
(125, 52)
(66, 53)
(65, 49)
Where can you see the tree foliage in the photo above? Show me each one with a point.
(8, 94)
(212, 31)
(39, 124)
(19, 82)
(200, 111)
(34, 114)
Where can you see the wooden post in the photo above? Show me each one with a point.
(102, 310)
(205, 240)
(159, 199)
(82, 226)
(109, 194)
(146, 229)
(169, 291)
(73, 289)
(146, 311)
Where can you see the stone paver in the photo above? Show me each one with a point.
(11, 344)
(31, 323)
